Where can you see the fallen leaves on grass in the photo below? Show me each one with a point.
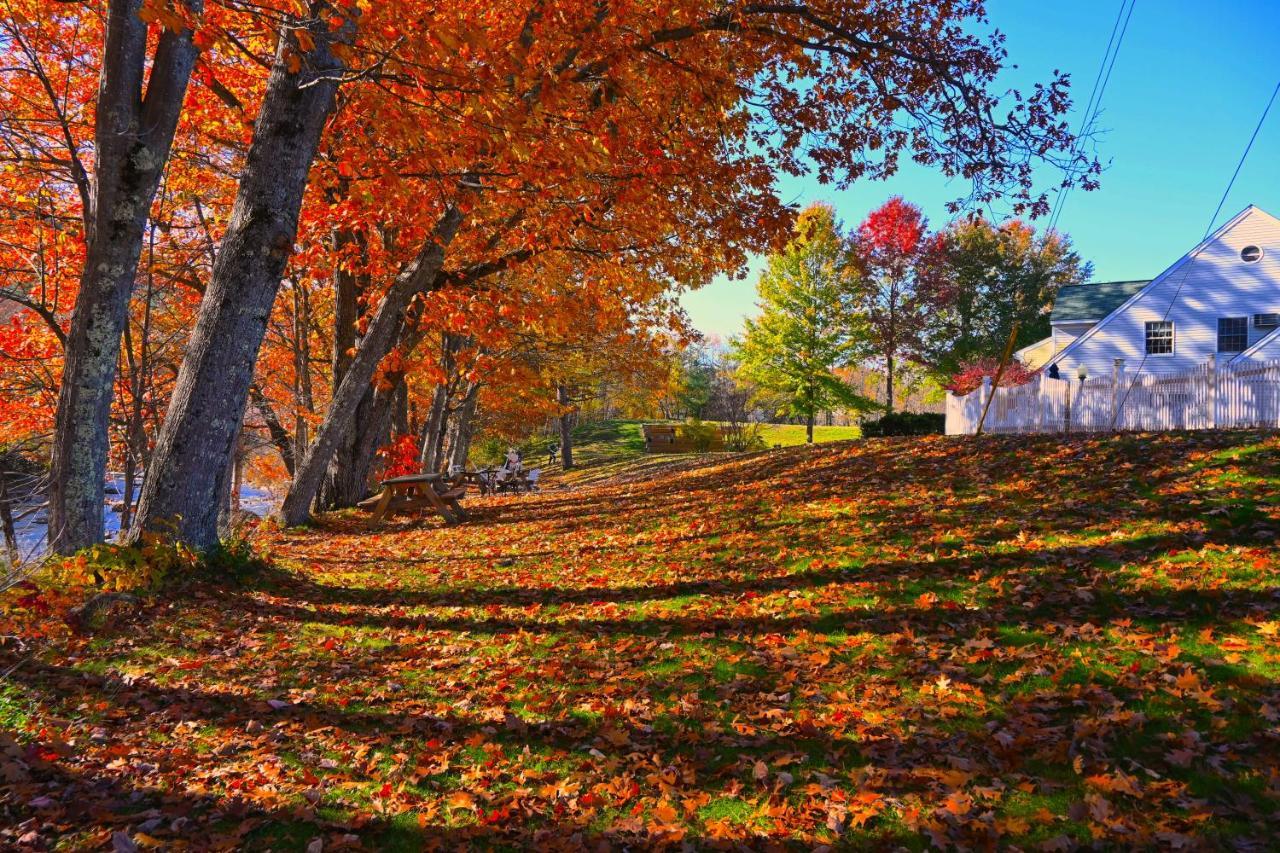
(1044, 642)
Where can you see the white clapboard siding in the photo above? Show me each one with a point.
(1208, 396)
(1208, 283)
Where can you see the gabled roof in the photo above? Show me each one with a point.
(1092, 301)
(1190, 256)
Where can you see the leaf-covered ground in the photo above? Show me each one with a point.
(1039, 643)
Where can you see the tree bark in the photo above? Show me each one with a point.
(461, 447)
(133, 138)
(280, 437)
(346, 310)
(301, 367)
(431, 431)
(377, 342)
(6, 525)
(400, 408)
(370, 438)
(347, 478)
(565, 422)
(888, 381)
(189, 467)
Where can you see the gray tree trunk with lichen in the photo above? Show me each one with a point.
(190, 466)
(133, 138)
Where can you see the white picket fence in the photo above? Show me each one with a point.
(1211, 396)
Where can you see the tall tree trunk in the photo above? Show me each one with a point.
(370, 438)
(808, 427)
(301, 367)
(400, 408)
(6, 525)
(434, 427)
(343, 485)
(888, 382)
(377, 342)
(133, 138)
(189, 467)
(280, 436)
(565, 423)
(347, 478)
(136, 451)
(346, 309)
(461, 448)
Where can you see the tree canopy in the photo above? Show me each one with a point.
(984, 278)
(407, 171)
(805, 331)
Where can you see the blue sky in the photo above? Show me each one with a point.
(1187, 90)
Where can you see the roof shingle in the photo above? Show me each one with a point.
(1092, 301)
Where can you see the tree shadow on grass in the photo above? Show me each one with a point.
(922, 755)
(1064, 560)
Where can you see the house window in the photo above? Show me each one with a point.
(1160, 337)
(1233, 334)
(1266, 321)
(1251, 254)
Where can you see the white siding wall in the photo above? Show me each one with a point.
(1193, 294)
(1064, 333)
(1269, 351)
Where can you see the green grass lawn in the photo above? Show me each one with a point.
(604, 449)
(1033, 642)
(789, 435)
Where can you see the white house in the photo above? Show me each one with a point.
(1222, 298)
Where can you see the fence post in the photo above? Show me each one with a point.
(1066, 407)
(1040, 402)
(1211, 421)
(1117, 391)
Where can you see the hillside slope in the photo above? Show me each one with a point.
(1030, 641)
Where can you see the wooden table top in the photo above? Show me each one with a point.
(413, 478)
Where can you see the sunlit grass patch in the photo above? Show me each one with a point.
(737, 648)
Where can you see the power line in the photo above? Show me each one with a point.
(1094, 105)
(1240, 165)
(1186, 270)
(1088, 107)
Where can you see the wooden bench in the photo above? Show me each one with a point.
(418, 492)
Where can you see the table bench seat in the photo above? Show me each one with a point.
(418, 492)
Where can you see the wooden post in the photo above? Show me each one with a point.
(1118, 391)
(986, 403)
(1066, 407)
(986, 380)
(1040, 402)
(1211, 421)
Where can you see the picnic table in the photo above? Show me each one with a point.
(418, 492)
(489, 483)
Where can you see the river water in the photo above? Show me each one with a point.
(32, 527)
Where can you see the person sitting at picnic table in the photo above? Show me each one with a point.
(509, 469)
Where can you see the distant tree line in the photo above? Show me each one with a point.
(896, 301)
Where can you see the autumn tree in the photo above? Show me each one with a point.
(491, 142)
(530, 152)
(805, 331)
(697, 366)
(983, 279)
(143, 85)
(886, 290)
(190, 467)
